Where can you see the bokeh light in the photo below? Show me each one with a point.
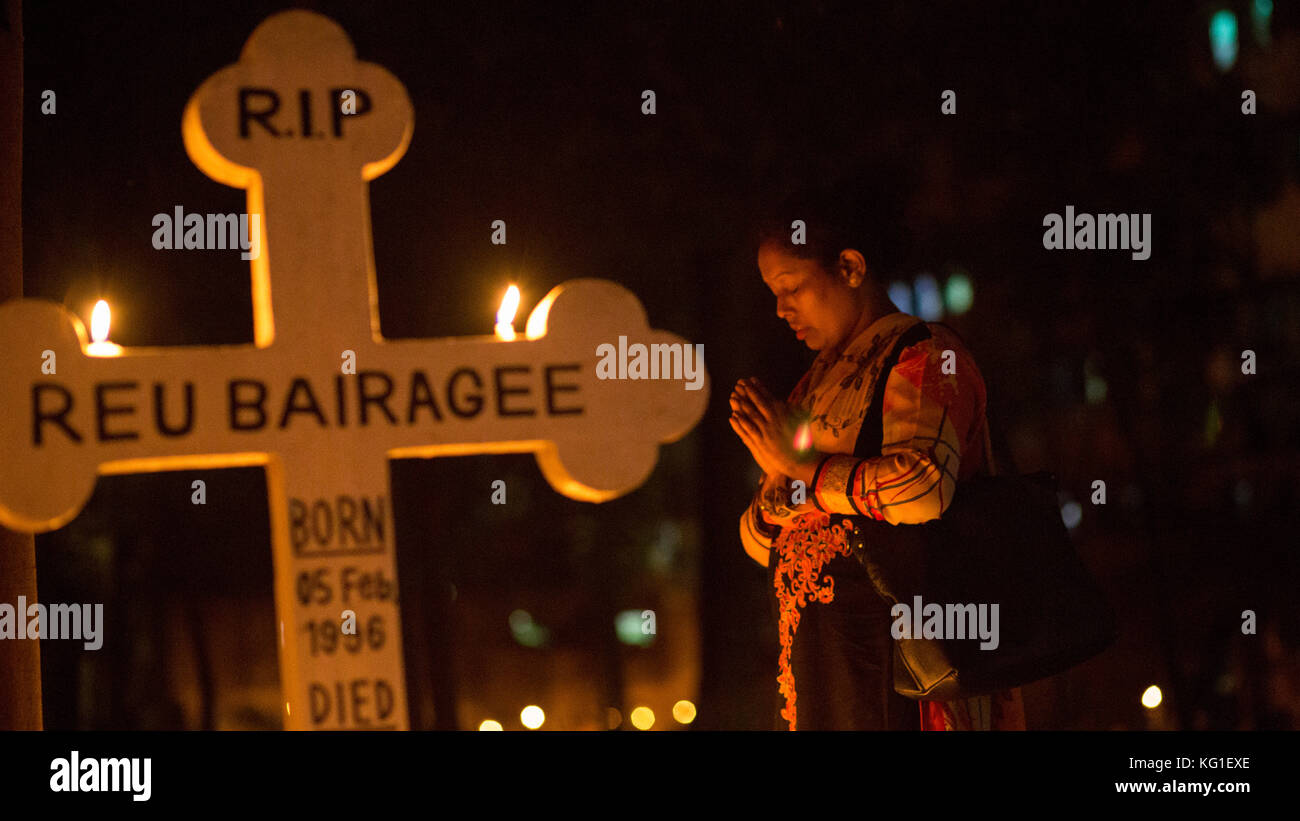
(532, 716)
(958, 294)
(1151, 697)
(929, 302)
(527, 631)
(1071, 514)
(629, 627)
(1223, 39)
(900, 293)
(643, 718)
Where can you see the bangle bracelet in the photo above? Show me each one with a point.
(777, 502)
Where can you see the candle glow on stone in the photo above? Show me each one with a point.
(505, 327)
(100, 319)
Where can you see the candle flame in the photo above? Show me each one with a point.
(506, 313)
(803, 437)
(509, 304)
(535, 328)
(100, 318)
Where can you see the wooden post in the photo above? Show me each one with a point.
(20, 661)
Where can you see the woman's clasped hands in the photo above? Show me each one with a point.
(765, 426)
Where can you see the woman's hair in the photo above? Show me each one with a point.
(862, 212)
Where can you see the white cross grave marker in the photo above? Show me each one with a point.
(272, 123)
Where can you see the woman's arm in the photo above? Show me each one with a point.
(765, 517)
(927, 414)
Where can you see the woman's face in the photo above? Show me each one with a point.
(818, 305)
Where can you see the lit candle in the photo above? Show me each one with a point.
(803, 437)
(506, 314)
(100, 318)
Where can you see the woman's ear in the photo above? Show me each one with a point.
(853, 267)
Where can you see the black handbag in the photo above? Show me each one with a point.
(1000, 541)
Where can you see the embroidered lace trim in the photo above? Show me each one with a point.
(803, 550)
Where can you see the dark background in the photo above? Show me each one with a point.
(533, 115)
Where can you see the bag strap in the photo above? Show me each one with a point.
(988, 447)
(990, 464)
(871, 435)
